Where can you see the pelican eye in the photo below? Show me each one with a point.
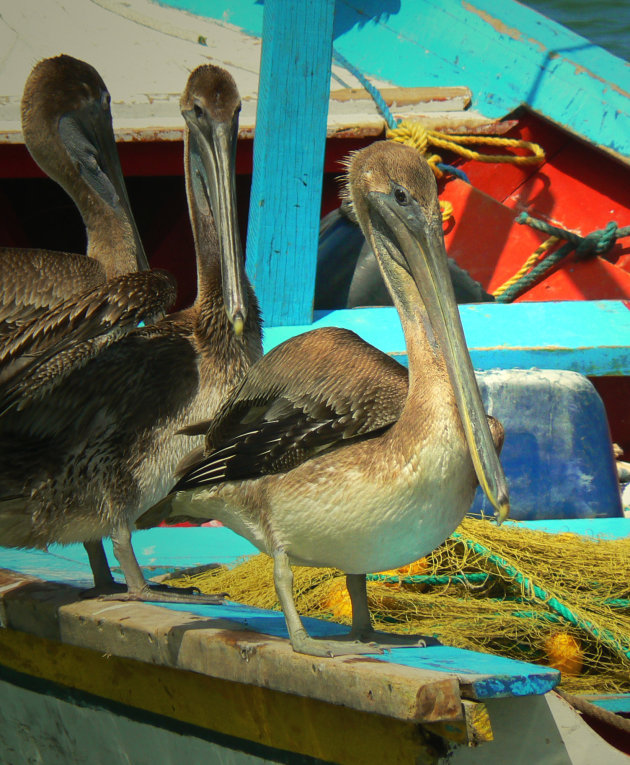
(198, 111)
(106, 100)
(400, 195)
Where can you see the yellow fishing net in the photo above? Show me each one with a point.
(556, 599)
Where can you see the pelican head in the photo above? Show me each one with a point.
(67, 127)
(394, 194)
(210, 105)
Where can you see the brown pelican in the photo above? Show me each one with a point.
(325, 455)
(348, 274)
(67, 127)
(79, 461)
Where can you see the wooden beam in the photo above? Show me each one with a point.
(289, 157)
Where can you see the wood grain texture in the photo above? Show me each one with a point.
(289, 157)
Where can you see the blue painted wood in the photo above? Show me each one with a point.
(171, 548)
(506, 53)
(590, 337)
(168, 549)
(616, 704)
(599, 528)
(158, 550)
(289, 149)
(500, 677)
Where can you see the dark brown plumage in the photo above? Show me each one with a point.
(67, 127)
(81, 326)
(103, 446)
(51, 301)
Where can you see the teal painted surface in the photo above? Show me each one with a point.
(283, 229)
(614, 704)
(173, 548)
(598, 528)
(158, 551)
(590, 337)
(506, 53)
(507, 676)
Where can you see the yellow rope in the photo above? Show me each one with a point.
(416, 134)
(447, 210)
(533, 258)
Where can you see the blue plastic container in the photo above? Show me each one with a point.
(557, 454)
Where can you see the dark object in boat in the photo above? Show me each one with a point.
(348, 275)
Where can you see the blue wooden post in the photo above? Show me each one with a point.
(289, 157)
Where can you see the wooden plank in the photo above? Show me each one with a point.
(506, 53)
(244, 713)
(599, 528)
(474, 729)
(289, 147)
(590, 337)
(410, 683)
(437, 98)
(617, 703)
(218, 645)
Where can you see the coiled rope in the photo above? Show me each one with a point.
(417, 135)
(414, 133)
(539, 263)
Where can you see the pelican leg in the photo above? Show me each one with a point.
(98, 563)
(361, 621)
(301, 641)
(139, 589)
(104, 582)
(362, 628)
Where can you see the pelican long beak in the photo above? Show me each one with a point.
(418, 245)
(213, 160)
(89, 139)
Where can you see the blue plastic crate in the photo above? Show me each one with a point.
(557, 454)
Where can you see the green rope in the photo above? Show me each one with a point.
(430, 580)
(617, 602)
(595, 243)
(605, 636)
(554, 618)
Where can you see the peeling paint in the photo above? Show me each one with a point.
(495, 23)
(502, 28)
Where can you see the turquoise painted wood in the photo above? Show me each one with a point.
(289, 146)
(616, 704)
(590, 337)
(507, 677)
(183, 547)
(506, 53)
(168, 549)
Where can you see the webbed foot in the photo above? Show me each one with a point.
(394, 639)
(162, 594)
(344, 645)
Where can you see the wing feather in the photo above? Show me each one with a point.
(34, 281)
(47, 349)
(308, 395)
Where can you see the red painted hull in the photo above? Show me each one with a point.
(578, 187)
